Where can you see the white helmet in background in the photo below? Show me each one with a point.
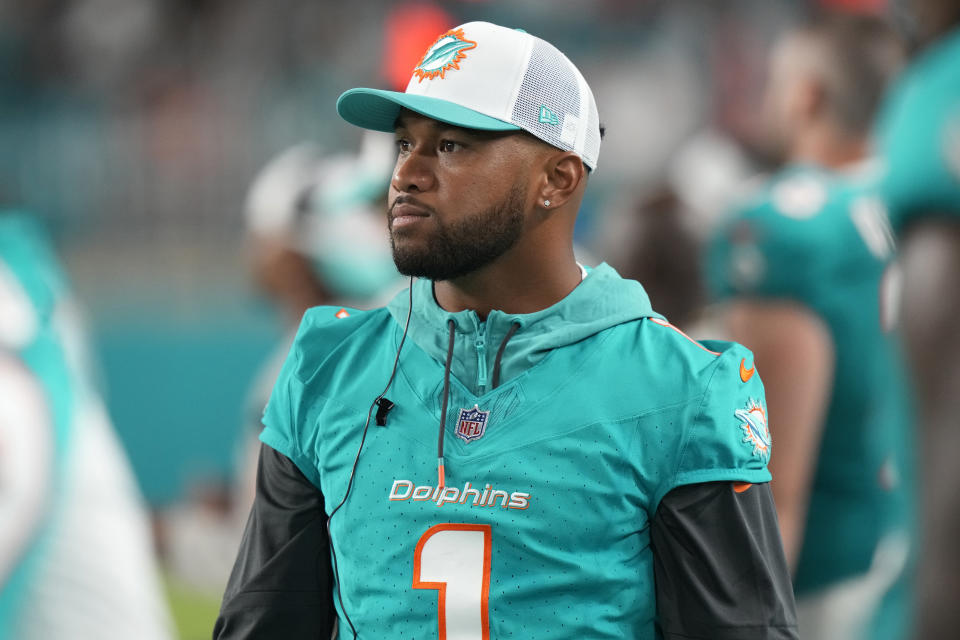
(330, 209)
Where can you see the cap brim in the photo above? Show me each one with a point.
(378, 110)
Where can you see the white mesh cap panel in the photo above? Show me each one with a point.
(555, 104)
(591, 133)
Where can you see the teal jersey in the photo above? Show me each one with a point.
(919, 137)
(552, 478)
(823, 241)
(32, 360)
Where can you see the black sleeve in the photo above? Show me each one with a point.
(281, 584)
(719, 566)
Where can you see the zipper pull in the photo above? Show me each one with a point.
(481, 359)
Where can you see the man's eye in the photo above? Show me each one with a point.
(449, 146)
(403, 146)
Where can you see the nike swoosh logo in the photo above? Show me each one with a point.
(746, 374)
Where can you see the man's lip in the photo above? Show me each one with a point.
(404, 210)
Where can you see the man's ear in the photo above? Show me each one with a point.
(564, 173)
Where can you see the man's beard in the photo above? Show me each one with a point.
(466, 244)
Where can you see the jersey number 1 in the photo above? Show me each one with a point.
(454, 559)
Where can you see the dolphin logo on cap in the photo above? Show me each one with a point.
(446, 53)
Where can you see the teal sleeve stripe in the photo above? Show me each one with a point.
(756, 476)
(275, 439)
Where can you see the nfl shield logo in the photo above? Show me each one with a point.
(472, 423)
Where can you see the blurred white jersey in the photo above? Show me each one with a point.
(98, 579)
(76, 551)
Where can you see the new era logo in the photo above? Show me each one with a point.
(547, 117)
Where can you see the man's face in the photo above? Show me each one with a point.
(458, 197)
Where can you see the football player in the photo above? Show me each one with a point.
(76, 551)
(919, 140)
(804, 267)
(516, 445)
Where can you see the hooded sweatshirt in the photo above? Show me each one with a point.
(557, 454)
(603, 301)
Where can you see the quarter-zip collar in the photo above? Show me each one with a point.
(601, 301)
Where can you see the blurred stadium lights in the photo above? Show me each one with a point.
(410, 28)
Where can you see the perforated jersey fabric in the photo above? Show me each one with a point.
(603, 409)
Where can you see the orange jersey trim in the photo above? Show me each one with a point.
(664, 323)
(441, 587)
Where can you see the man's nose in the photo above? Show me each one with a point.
(413, 173)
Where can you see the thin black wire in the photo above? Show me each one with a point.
(356, 460)
(446, 390)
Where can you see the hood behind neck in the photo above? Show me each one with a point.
(601, 301)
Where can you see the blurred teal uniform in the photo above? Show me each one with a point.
(542, 528)
(822, 240)
(76, 556)
(919, 137)
(31, 283)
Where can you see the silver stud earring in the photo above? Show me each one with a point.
(546, 203)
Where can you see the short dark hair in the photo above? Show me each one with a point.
(861, 54)
(929, 20)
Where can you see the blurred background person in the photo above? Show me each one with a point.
(919, 140)
(663, 253)
(805, 267)
(316, 236)
(76, 552)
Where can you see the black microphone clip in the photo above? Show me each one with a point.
(383, 408)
